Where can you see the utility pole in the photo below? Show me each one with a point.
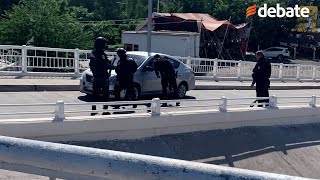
(158, 7)
(32, 25)
(149, 26)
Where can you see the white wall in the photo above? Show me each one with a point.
(143, 125)
(174, 45)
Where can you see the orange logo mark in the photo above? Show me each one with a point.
(252, 10)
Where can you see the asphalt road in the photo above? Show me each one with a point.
(77, 97)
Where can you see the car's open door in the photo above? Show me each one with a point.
(151, 84)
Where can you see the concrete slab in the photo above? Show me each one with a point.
(153, 146)
(245, 85)
(12, 175)
(20, 85)
(291, 150)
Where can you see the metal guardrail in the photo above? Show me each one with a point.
(23, 60)
(155, 106)
(242, 70)
(73, 162)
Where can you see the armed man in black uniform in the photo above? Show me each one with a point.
(164, 68)
(125, 70)
(100, 67)
(260, 76)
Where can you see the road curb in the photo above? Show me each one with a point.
(213, 87)
(57, 87)
(31, 88)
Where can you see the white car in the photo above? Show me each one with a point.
(145, 79)
(276, 52)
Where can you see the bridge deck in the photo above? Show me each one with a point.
(292, 150)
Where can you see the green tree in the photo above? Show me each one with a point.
(105, 29)
(56, 22)
(49, 22)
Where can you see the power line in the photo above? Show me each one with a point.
(120, 20)
(178, 22)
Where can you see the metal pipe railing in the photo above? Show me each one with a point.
(211, 68)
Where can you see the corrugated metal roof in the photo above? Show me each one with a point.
(208, 22)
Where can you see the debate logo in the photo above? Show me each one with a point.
(252, 10)
(278, 11)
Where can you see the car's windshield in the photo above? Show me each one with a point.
(137, 58)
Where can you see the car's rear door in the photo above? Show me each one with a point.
(269, 52)
(178, 69)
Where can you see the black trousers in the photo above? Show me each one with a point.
(263, 92)
(171, 82)
(126, 84)
(100, 84)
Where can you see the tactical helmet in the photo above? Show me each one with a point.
(260, 53)
(100, 43)
(121, 52)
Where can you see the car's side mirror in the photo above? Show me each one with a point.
(148, 68)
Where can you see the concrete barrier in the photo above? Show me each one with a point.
(143, 125)
(74, 162)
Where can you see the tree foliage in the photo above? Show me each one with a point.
(47, 22)
(60, 23)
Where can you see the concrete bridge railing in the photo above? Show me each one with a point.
(225, 114)
(74, 162)
(153, 106)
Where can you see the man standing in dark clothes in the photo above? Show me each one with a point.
(100, 67)
(260, 76)
(125, 70)
(164, 68)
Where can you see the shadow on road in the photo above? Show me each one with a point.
(90, 98)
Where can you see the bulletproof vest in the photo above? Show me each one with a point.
(126, 68)
(99, 63)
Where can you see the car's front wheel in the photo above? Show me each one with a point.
(136, 93)
(182, 90)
